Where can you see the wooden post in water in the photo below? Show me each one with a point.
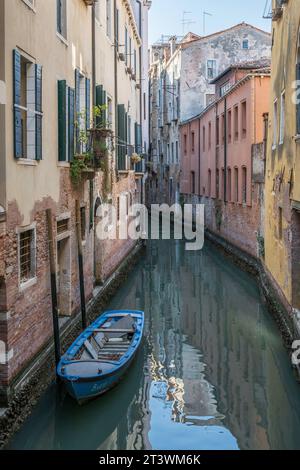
(53, 286)
(80, 265)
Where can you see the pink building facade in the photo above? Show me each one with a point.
(223, 157)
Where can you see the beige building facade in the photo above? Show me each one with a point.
(63, 61)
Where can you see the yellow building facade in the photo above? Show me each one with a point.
(282, 192)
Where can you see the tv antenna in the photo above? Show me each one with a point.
(205, 14)
(186, 21)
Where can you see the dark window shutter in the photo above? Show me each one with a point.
(104, 98)
(18, 140)
(121, 137)
(136, 136)
(77, 106)
(38, 108)
(126, 133)
(99, 101)
(62, 89)
(71, 121)
(298, 104)
(88, 102)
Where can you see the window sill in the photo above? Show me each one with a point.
(62, 39)
(27, 162)
(27, 284)
(297, 138)
(30, 5)
(63, 164)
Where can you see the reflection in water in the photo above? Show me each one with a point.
(212, 373)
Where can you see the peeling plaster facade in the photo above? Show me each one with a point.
(283, 160)
(28, 187)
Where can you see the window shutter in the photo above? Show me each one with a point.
(121, 136)
(77, 106)
(62, 89)
(18, 141)
(126, 134)
(104, 98)
(38, 108)
(71, 121)
(298, 104)
(136, 137)
(99, 98)
(88, 103)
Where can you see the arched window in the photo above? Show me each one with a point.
(244, 185)
(229, 184)
(209, 183)
(236, 184)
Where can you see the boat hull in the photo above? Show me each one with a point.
(86, 390)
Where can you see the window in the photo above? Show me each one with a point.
(193, 141)
(223, 129)
(209, 135)
(229, 184)
(185, 143)
(280, 223)
(245, 44)
(203, 138)
(217, 183)
(218, 130)
(282, 118)
(66, 102)
(177, 154)
(172, 152)
(109, 112)
(83, 222)
(236, 123)
(193, 182)
(27, 86)
(27, 255)
(211, 69)
(275, 123)
(62, 226)
(82, 112)
(61, 17)
(244, 119)
(209, 98)
(244, 185)
(223, 182)
(236, 185)
(145, 104)
(209, 183)
(108, 18)
(224, 88)
(229, 125)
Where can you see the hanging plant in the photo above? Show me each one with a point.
(135, 158)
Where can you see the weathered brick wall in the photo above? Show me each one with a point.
(29, 324)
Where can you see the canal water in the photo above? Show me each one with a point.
(212, 372)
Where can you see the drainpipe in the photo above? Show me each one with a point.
(94, 55)
(225, 150)
(116, 80)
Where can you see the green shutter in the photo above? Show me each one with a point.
(77, 107)
(121, 137)
(71, 121)
(104, 101)
(62, 90)
(18, 140)
(38, 108)
(88, 102)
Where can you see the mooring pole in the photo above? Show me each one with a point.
(80, 266)
(53, 286)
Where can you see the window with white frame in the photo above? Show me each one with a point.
(245, 44)
(27, 255)
(211, 69)
(282, 118)
(61, 17)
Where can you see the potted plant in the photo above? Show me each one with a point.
(135, 158)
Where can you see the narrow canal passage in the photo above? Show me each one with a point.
(212, 373)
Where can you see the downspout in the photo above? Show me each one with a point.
(94, 55)
(266, 126)
(116, 83)
(225, 150)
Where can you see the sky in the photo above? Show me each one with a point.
(166, 16)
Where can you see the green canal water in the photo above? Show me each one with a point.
(212, 372)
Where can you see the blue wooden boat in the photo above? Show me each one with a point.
(100, 356)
